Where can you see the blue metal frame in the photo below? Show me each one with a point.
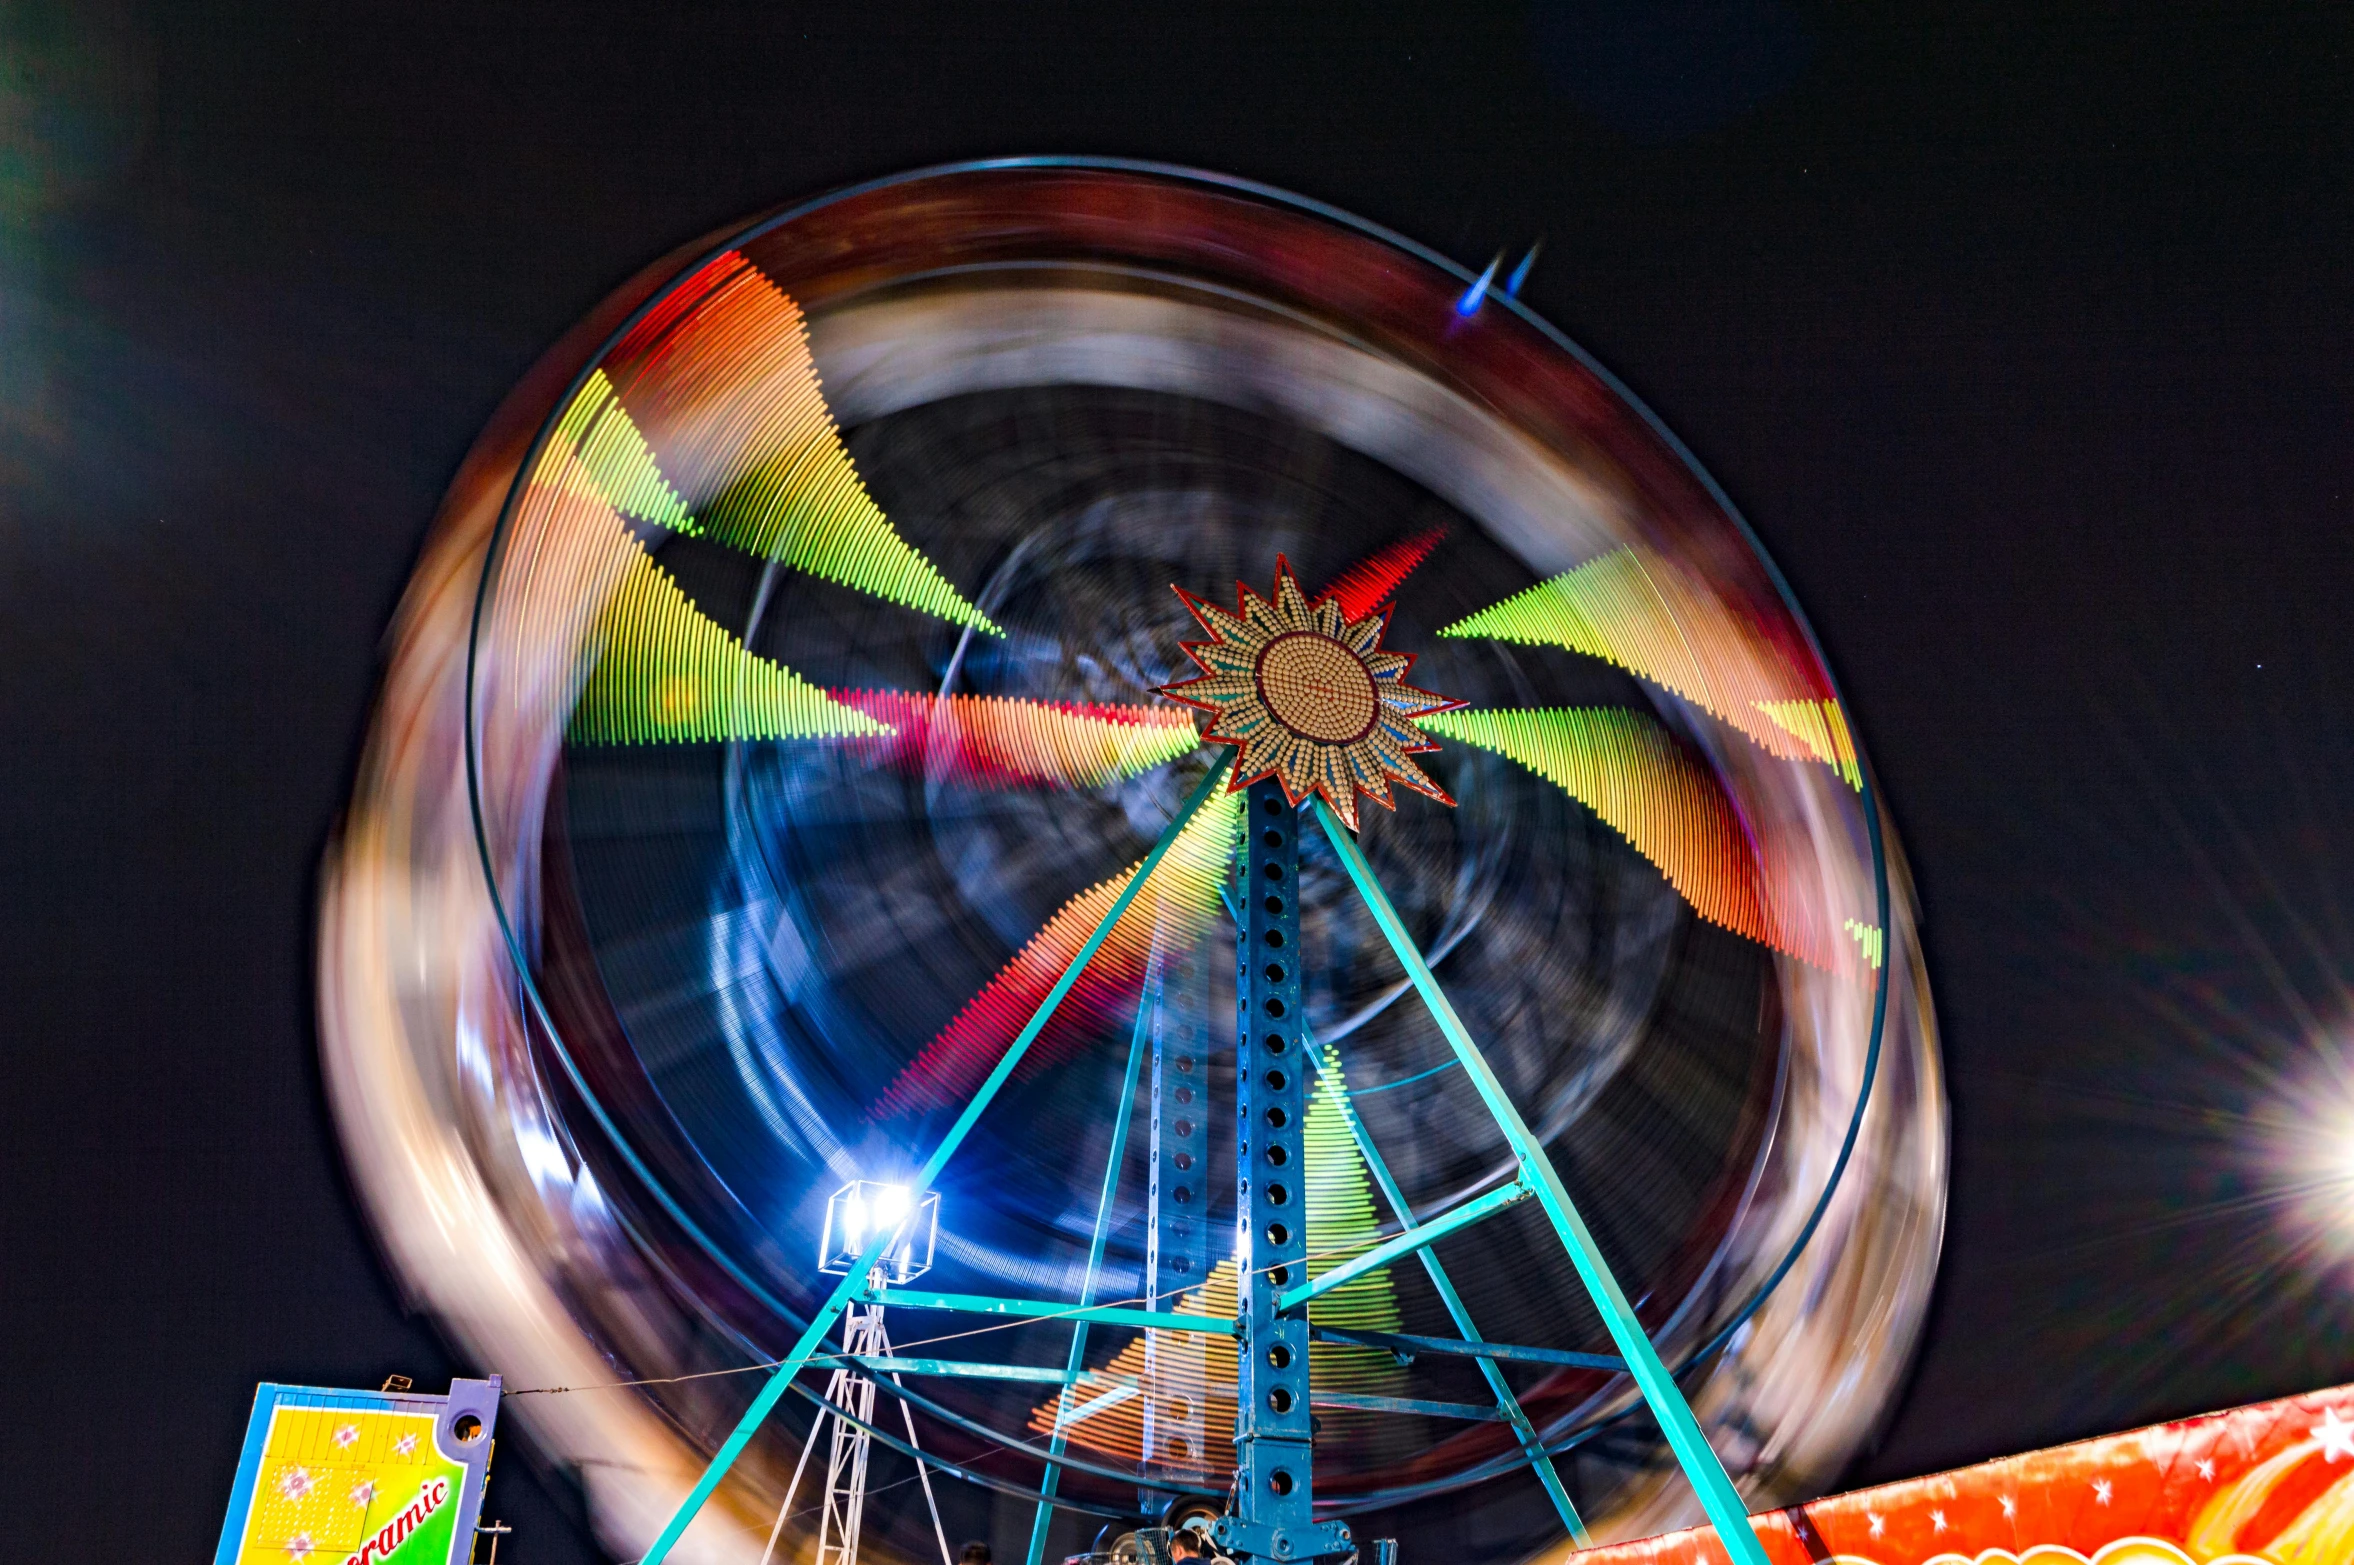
(1274, 1461)
(1684, 1436)
(948, 1369)
(1407, 1347)
(1507, 1405)
(1146, 1005)
(1177, 1229)
(854, 1282)
(1021, 1448)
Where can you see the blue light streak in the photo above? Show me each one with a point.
(1472, 296)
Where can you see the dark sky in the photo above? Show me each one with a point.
(2023, 342)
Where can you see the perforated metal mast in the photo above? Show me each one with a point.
(1177, 1217)
(1274, 1434)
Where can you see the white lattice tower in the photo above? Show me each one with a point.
(854, 1393)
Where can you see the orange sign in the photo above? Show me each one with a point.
(2270, 1484)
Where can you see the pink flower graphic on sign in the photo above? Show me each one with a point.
(405, 1445)
(295, 1482)
(345, 1436)
(299, 1546)
(363, 1493)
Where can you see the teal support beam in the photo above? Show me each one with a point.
(1058, 1440)
(1094, 1405)
(1046, 1309)
(1684, 1435)
(952, 1369)
(1417, 1237)
(854, 1281)
(1407, 1347)
(1469, 1412)
(1532, 1445)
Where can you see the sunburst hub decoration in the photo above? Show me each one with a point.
(1308, 697)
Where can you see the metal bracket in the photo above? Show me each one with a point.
(1265, 1540)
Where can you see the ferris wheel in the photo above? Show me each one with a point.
(1118, 768)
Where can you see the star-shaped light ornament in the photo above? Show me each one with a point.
(2336, 1435)
(1308, 697)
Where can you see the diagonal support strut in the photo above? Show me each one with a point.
(1508, 1405)
(1684, 1435)
(854, 1280)
(1064, 1414)
(1420, 1236)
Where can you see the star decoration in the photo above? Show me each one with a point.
(2010, 1507)
(2102, 1488)
(2336, 1435)
(1878, 1521)
(2207, 1471)
(405, 1444)
(1308, 697)
(346, 1435)
(362, 1494)
(294, 1483)
(299, 1546)
(1937, 1520)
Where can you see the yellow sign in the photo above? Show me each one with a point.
(360, 1478)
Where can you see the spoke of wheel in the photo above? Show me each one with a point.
(855, 1279)
(1684, 1435)
(1146, 1004)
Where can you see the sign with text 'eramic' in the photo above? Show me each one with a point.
(360, 1477)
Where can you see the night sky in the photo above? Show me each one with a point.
(2026, 344)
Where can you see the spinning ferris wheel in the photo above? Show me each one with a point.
(1415, 1033)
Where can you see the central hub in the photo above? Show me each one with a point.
(1316, 687)
(1308, 696)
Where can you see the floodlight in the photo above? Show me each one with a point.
(863, 1207)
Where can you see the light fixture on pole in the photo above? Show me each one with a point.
(855, 1214)
(864, 1207)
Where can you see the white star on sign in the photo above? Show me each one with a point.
(1879, 1522)
(1937, 1520)
(2010, 1507)
(2207, 1471)
(2335, 1434)
(2101, 1489)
